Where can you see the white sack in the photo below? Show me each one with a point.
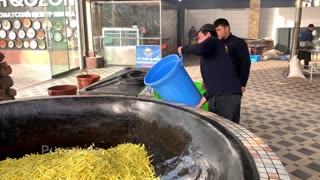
(295, 70)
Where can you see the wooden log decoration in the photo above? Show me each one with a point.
(3, 64)
(8, 69)
(3, 72)
(6, 82)
(11, 92)
(2, 92)
(5, 69)
(1, 57)
(6, 97)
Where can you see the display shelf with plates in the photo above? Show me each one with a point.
(31, 33)
(22, 33)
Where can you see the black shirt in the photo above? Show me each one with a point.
(237, 49)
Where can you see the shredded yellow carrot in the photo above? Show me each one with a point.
(126, 161)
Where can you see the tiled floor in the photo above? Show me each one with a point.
(25, 75)
(36, 83)
(284, 112)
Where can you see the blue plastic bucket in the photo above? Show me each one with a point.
(172, 82)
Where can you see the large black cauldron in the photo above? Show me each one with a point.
(185, 145)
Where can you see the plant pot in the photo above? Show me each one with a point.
(94, 62)
(86, 80)
(62, 90)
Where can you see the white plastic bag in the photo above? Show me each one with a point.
(295, 70)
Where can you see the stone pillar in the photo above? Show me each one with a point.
(254, 15)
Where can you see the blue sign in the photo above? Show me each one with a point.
(147, 56)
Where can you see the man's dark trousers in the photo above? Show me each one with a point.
(227, 106)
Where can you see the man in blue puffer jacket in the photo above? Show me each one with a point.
(306, 36)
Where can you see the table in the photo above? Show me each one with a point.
(313, 65)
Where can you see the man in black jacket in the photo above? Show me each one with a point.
(237, 49)
(223, 87)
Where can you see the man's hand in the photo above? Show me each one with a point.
(243, 89)
(179, 50)
(203, 86)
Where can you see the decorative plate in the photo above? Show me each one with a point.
(46, 24)
(19, 43)
(12, 35)
(75, 34)
(10, 44)
(26, 44)
(73, 23)
(26, 22)
(31, 33)
(3, 43)
(21, 34)
(6, 25)
(3, 34)
(57, 37)
(42, 44)
(33, 44)
(40, 34)
(67, 32)
(57, 25)
(36, 25)
(17, 24)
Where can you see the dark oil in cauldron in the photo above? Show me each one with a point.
(169, 146)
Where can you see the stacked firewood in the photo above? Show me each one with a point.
(6, 82)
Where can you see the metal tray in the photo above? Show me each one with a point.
(112, 85)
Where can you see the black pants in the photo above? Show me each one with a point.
(227, 106)
(306, 56)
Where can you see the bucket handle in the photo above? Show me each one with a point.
(82, 71)
(180, 60)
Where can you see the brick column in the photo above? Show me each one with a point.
(254, 15)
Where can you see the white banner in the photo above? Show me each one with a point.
(37, 14)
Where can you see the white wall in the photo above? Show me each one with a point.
(273, 18)
(270, 19)
(238, 19)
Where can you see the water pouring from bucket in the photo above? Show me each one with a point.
(171, 81)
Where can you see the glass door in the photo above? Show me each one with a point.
(62, 36)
